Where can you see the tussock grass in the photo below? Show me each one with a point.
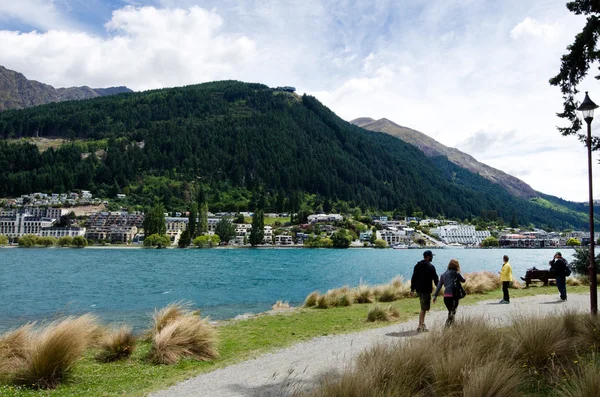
(116, 344)
(480, 282)
(280, 305)
(583, 382)
(364, 294)
(574, 281)
(163, 317)
(188, 336)
(50, 352)
(340, 297)
(311, 299)
(322, 302)
(589, 332)
(378, 313)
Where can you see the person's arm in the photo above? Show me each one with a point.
(413, 281)
(435, 277)
(461, 278)
(439, 287)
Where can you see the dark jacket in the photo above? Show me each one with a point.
(447, 280)
(559, 266)
(423, 276)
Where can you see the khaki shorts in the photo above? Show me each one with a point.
(425, 302)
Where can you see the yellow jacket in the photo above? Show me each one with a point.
(506, 272)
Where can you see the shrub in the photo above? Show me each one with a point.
(207, 241)
(574, 281)
(379, 243)
(311, 299)
(280, 305)
(46, 241)
(116, 344)
(157, 240)
(185, 337)
(538, 341)
(51, 352)
(480, 282)
(573, 242)
(28, 240)
(79, 241)
(493, 379)
(386, 293)
(3, 239)
(377, 313)
(13, 345)
(581, 261)
(341, 239)
(584, 382)
(340, 297)
(65, 241)
(490, 242)
(364, 294)
(322, 302)
(326, 243)
(163, 317)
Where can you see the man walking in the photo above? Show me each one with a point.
(422, 281)
(559, 266)
(506, 278)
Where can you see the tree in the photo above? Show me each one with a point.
(239, 218)
(157, 240)
(373, 235)
(79, 241)
(575, 64)
(341, 239)
(257, 234)
(582, 261)
(154, 222)
(192, 228)
(490, 242)
(573, 242)
(3, 240)
(65, 241)
(207, 241)
(185, 239)
(203, 219)
(513, 222)
(225, 230)
(47, 241)
(28, 240)
(379, 243)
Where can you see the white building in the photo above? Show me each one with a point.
(284, 239)
(392, 237)
(58, 232)
(268, 235)
(21, 224)
(325, 218)
(462, 234)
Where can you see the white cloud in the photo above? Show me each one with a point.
(148, 48)
(40, 14)
(531, 27)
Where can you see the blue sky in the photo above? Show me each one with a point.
(472, 74)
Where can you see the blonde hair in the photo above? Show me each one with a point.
(454, 265)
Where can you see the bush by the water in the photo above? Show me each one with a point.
(472, 358)
(116, 344)
(581, 261)
(398, 288)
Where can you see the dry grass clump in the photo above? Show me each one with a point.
(364, 294)
(188, 336)
(311, 299)
(280, 305)
(322, 302)
(161, 318)
(340, 297)
(378, 313)
(42, 358)
(584, 382)
(116, 344)
(385, 293)
(589, 332)
(480, 282)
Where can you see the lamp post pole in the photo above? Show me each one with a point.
(587, 108)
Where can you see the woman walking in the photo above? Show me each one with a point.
(506, 278)
(450, 279)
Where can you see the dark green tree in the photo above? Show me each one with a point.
(239, 218)
(203, 220)
(185, 239)
(575, 64)
(341, 239)
(373, 235)
(513, 222)
(154, 222)
(581, 261)
(225, 230)
(192, 228)
(257, 233)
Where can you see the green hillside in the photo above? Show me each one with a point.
(237, 138)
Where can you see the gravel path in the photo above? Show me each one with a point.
(280, 373)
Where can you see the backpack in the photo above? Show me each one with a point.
(567, 269)
(458, 292)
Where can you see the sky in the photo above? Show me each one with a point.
(472, 74)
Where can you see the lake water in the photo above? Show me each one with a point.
(128, 284)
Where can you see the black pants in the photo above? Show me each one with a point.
(451, 305)
(505, 285)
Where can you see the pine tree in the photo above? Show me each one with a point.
(185, 239)
(203, 219)
(154, 222)
(192, 227)
(257, 234)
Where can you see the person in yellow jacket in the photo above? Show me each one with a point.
(506, 278)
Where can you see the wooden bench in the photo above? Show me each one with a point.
(533, 275)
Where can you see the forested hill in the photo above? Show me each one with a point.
(238, 138)
(18, 92)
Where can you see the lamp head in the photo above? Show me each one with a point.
(587, 108)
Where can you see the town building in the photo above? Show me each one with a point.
(284, 239)
(21, 224)
(58, 232)
(462, 234)
(316, 218)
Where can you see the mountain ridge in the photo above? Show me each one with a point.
(18, 92)
(432, 148)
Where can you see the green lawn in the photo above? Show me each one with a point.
(270, 221)
(238, 341)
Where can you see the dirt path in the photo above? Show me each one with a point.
(282, 372)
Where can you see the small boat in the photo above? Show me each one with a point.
(455, 245)
(400, 247)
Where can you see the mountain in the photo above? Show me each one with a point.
(17, 92)
(433, 148)
(247, 144)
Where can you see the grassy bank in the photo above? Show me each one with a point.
(238, 341)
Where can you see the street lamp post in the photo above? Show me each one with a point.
(587, 109)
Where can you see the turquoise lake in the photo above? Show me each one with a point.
(128, 284)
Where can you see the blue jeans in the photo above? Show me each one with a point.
(561, 283)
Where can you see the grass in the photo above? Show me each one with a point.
(238, 341)
(116, 344)
(531, 357)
